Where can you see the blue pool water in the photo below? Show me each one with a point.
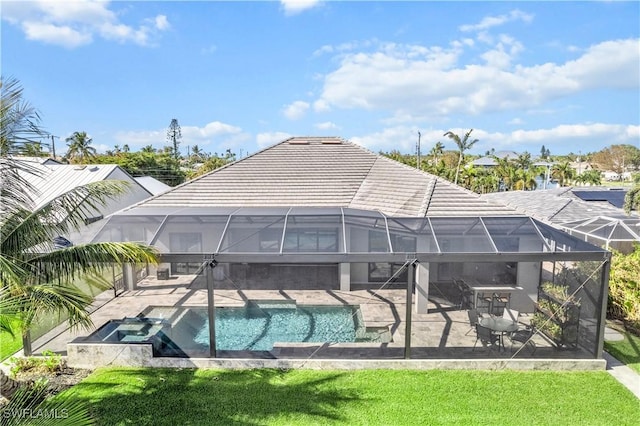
(258, 326)
(257, 329)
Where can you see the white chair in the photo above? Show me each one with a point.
(511, 314)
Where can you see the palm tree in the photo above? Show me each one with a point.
(80, 148)
(437, 151)
(35, 276)
(39, 274)
(563, 172)
(463, 144)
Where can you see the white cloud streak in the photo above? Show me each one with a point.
(494, 21)
(75, 23)
(296, 110)
(264, 140)
(214, 135)
(293, 7)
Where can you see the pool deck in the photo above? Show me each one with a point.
(442, 333)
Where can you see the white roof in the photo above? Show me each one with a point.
(153, 185)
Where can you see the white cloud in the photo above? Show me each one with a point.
(162, 23)
(74, 23)
(215, 134)
(516, 121)
(293, 7)
(209, 49)
(62, 35)
(267, 139)
(327, 125)
(296, 110)
(588, 136)
(494, 21)
(429, 81)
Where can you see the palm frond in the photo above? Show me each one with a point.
(32, 408)
(29, 231)
(66, 264)
(50, 298)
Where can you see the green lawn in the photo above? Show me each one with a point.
(9, 345)
(626, 351)
(119, 396)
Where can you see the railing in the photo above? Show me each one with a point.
(118, 283)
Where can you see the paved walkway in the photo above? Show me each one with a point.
(625, 375)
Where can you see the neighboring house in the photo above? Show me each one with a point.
(594, 213)
(54, 179)
(490, 160)
(152, 185)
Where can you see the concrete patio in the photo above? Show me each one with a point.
(442, 333)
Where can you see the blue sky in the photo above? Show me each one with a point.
(245, 75)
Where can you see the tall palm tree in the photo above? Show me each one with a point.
(563, 172)
(463, 145)
(80, 149)
(437, 151)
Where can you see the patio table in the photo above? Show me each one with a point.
(500, 325)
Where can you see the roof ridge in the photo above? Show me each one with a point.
(428, 195)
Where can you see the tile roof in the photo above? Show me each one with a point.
(557, 205)
(326, 171)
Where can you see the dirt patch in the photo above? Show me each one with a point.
(58, 380)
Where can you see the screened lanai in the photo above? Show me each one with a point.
(422, 260)
(617, 232)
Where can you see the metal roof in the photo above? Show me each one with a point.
(330, 172)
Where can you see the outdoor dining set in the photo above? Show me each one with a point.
(490, 315)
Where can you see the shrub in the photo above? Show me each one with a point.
(624, 288)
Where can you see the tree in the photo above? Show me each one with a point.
(437, 151)
(632, 200)
(544, 153)
(463, 145)
(563, 172)
(174, 134)
(617, 158)
(34, 149)
(35, 275)
(80, 149)
(591, 177)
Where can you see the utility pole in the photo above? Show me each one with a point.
(418, 152)
(53, 145)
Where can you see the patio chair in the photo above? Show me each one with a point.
(524, 338)
(511, 314)
(484, 303)
(487, 337)
(473, 320)
(500, 302)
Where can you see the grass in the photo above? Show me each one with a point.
(9, 345)
(626, 351)
(121, 396)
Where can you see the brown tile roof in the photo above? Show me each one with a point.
(316, 172)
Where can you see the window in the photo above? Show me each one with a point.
(311, 240)
(185, 242)
(380, 271)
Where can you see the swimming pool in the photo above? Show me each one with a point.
(254, 327)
